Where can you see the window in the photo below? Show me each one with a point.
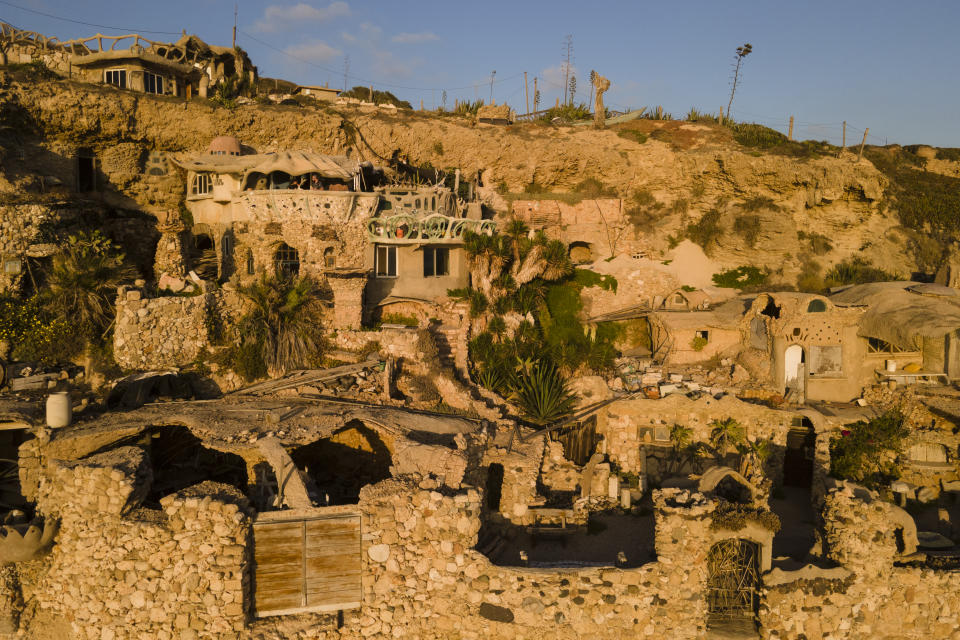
(329, 260)
(826, 360)
(436, 262)
(250, 264)
(386, 262)
(11, 266)
(286, 260)
(876, 345)
(202, 184)
(816, 306)
(116, 77)
(703, 334)
(152, 83)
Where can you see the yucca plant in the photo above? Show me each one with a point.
(284, 322)
(542, 393)
(82, 282)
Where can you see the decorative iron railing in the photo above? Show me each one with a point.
(405, 228)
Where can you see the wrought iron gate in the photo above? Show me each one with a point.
(734, 579)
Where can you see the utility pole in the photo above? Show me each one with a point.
(346, 70)
(865, 132)
(568, 54)
(536, 95)
(526, 91)
(844, 135)
(235, 9)
(493, 74)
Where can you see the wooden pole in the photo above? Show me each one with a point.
(526, 91)
(535, 90)
(844, 146)
(721, 114)
(865, 132)
(790, 131)
(371, 93)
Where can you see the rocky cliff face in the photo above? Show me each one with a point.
(690, 170)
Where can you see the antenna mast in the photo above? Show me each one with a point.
(235, 9)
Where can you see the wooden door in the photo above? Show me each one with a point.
(307, 564)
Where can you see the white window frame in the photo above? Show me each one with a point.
(388, 250)
(155, 77)
(107, 80)
(201, 185)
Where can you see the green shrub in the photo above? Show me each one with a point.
(36, 332)
(866, 451)
(743, 277)
(587, 278)
(747, 227)
(567, 112)
(759, 203)
(633, 135)
(642, 208)
(819, 244)
(698, 343)
(399, 318)
(706, 231)
(951, 154)
(438, 148)
(593, 188)
(757, 135)
(857, 270)
(379, 97)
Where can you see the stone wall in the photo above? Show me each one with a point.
(159, 333)
(122, 571)
(422, 578)
(872, 598)
(396, 343)
(20, 227)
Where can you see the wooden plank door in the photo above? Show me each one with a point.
(306, 565)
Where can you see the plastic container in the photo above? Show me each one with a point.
(59, 410)
(891, 365)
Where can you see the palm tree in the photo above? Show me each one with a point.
(284, 322)
(82, 282)
(726, 434)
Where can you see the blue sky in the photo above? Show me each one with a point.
(893, 66)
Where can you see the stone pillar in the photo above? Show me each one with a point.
(347, 299)
(169, 256)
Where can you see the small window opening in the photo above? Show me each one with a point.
(796, 331)
(329, 259)
(116, 77)
(816, 306)
(286, 260)
(250, 264)
(704, 334)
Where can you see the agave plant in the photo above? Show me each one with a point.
(83, 279)
(542, 393)
(284, 321)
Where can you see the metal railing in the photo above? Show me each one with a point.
(436, 227)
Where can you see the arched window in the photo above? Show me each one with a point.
(286, 260)
(202, 184)
(329, 259)
(816, 306)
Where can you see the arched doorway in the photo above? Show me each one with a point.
(205, 261)
(794, 371)
(733, 583)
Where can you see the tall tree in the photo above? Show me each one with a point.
(742, 52)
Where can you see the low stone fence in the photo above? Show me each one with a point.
(397, 343)
(121, 571)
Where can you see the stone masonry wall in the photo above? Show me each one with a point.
(119, 571)
(878, 600)
(159, 332)
(422, 578)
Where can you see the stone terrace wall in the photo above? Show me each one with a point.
(878, 601)
(119, 571)
(159, 333)
(422, 579)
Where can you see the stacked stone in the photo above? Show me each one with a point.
(30, 468)
(521, 468)
(20, 227)
(859, 534)
(396, 343)
(160, 332)
(558, 473)
(120, 572)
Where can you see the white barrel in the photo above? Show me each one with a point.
(59, 410)
(891, 365)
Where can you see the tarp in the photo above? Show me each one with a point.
(295, 163)
(903, 312)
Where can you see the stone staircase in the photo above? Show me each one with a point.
(446, 340)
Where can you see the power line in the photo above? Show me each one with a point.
(367, 80)
(87, 24)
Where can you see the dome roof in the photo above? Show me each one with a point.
(224, 145)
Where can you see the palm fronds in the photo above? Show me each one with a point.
(542, 393)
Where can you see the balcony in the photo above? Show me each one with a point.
(408, 228)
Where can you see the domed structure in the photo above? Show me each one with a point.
(224, 146)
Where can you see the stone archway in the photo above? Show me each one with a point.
(733, 582)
